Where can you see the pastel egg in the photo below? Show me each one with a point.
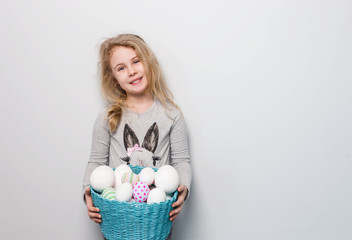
(167, 179)
(140, 191)
(147, 175)
(130, 177)
(102, 177)
(109, 193)
(124, 192)
(119, 171)
(156, 196)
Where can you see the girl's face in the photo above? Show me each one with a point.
(128, 71)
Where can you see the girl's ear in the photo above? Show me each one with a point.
(129, 137)
(151, 139)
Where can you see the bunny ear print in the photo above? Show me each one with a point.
(129, 137)
(151, 139)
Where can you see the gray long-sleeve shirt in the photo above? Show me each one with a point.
(153, 138)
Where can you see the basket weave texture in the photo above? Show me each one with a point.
(123, 220)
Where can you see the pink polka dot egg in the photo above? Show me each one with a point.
(141, 191)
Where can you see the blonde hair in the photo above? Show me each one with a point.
(115, 95)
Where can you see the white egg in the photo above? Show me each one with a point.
(119, 172)
(147, 175)
(167, 179)
(124, 192)
(156, 196)
(101, 178)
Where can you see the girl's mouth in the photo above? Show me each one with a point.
(134, 82)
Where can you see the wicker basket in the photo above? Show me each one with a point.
(123, 220)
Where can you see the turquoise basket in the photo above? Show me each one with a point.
(123, 220)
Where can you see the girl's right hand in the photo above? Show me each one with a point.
(93, 212)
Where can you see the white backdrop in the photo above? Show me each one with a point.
(265, 87)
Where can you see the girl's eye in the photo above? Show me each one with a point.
(120, 68)
(136, 61)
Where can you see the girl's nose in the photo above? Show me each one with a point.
(131, 71)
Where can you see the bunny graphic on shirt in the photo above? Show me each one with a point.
(137, 154)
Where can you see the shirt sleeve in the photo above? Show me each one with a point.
(180, 157)
(100, 148)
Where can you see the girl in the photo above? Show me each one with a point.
(142, 117)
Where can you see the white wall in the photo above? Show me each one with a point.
(265, 87)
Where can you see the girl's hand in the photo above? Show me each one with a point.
(182, 193)
(93, 212)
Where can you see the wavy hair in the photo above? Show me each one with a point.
(112, 91)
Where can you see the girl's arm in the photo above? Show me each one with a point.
(180, 159)
(100, 148)
(99, 156)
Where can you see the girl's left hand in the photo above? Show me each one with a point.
(182, 194)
